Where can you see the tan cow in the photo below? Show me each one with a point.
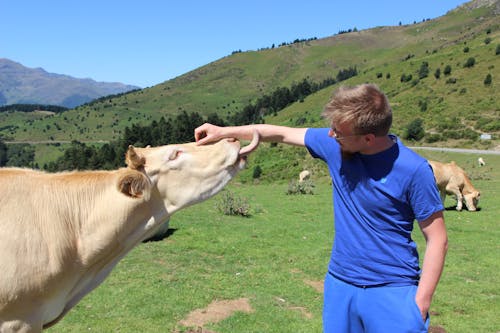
(451, 179)
(61, 234)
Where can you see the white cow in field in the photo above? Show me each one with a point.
(304, 175)
(452, 179)
(481, 162)
(61, 234)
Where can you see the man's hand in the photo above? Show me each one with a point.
(207, 133)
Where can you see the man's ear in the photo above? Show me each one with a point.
(134, 184)
(369, 138)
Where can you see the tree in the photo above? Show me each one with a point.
(470, 62)
(487, 80)
(423, 72)
(447, 70)
(257, 171)
(415, 130)
(437, 73)
(3, 154)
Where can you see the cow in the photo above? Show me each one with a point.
(304, 175)
(481, 162)
(61, 234)
(451, 179)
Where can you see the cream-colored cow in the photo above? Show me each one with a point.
(452, 179)
(304, 175)
(61, 234)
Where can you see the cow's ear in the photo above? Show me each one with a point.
(134, 160)
(134, 184)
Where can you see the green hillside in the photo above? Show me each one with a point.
(455, 108)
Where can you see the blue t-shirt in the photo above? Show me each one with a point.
(376, 199)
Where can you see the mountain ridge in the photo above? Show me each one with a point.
(448, 103)
(23, 85)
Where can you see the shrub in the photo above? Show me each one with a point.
(304, 187)
(406, 78)
(232, 204)
(257, 171)
(423, 72)
(487, 80)
(470, 62)
(437, 73)
(415, 130)
(433, 138)
(423, 105)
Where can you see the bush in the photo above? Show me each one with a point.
(232, 204)
(423, 72)
(304, 187)
(487, 80)
(257, 172)
(431, 138)
(415, 130)
(470, 62)
(437, 73)
(406, 77)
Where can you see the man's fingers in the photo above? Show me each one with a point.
(200, 135)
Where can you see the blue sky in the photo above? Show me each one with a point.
(147, 42)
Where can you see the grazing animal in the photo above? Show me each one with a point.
(303, 175)
(451, 179)
(481, 162)
(61, 234)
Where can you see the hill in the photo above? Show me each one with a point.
(23, 85)
(435, 71)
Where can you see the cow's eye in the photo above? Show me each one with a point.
(174, 154)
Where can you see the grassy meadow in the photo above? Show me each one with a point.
(276, 259)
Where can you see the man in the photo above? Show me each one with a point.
(374, 282)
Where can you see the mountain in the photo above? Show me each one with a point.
(23, 85)
(434, 70)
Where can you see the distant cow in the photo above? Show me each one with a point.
(481, 162)
(303, 175)
(61, 234)
(451, 179)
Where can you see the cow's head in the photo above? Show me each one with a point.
(184, 174)
(471, 200)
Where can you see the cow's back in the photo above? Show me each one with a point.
(41, 217)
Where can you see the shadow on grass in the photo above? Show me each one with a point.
(453, 208)
(160, 237)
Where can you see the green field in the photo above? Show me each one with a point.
(277, 258)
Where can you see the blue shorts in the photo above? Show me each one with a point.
(351, 309)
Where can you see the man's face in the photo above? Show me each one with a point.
(349, 142)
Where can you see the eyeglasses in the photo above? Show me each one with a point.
(334, 134)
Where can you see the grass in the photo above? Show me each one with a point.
(269, 257)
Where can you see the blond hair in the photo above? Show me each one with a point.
(364, 106)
